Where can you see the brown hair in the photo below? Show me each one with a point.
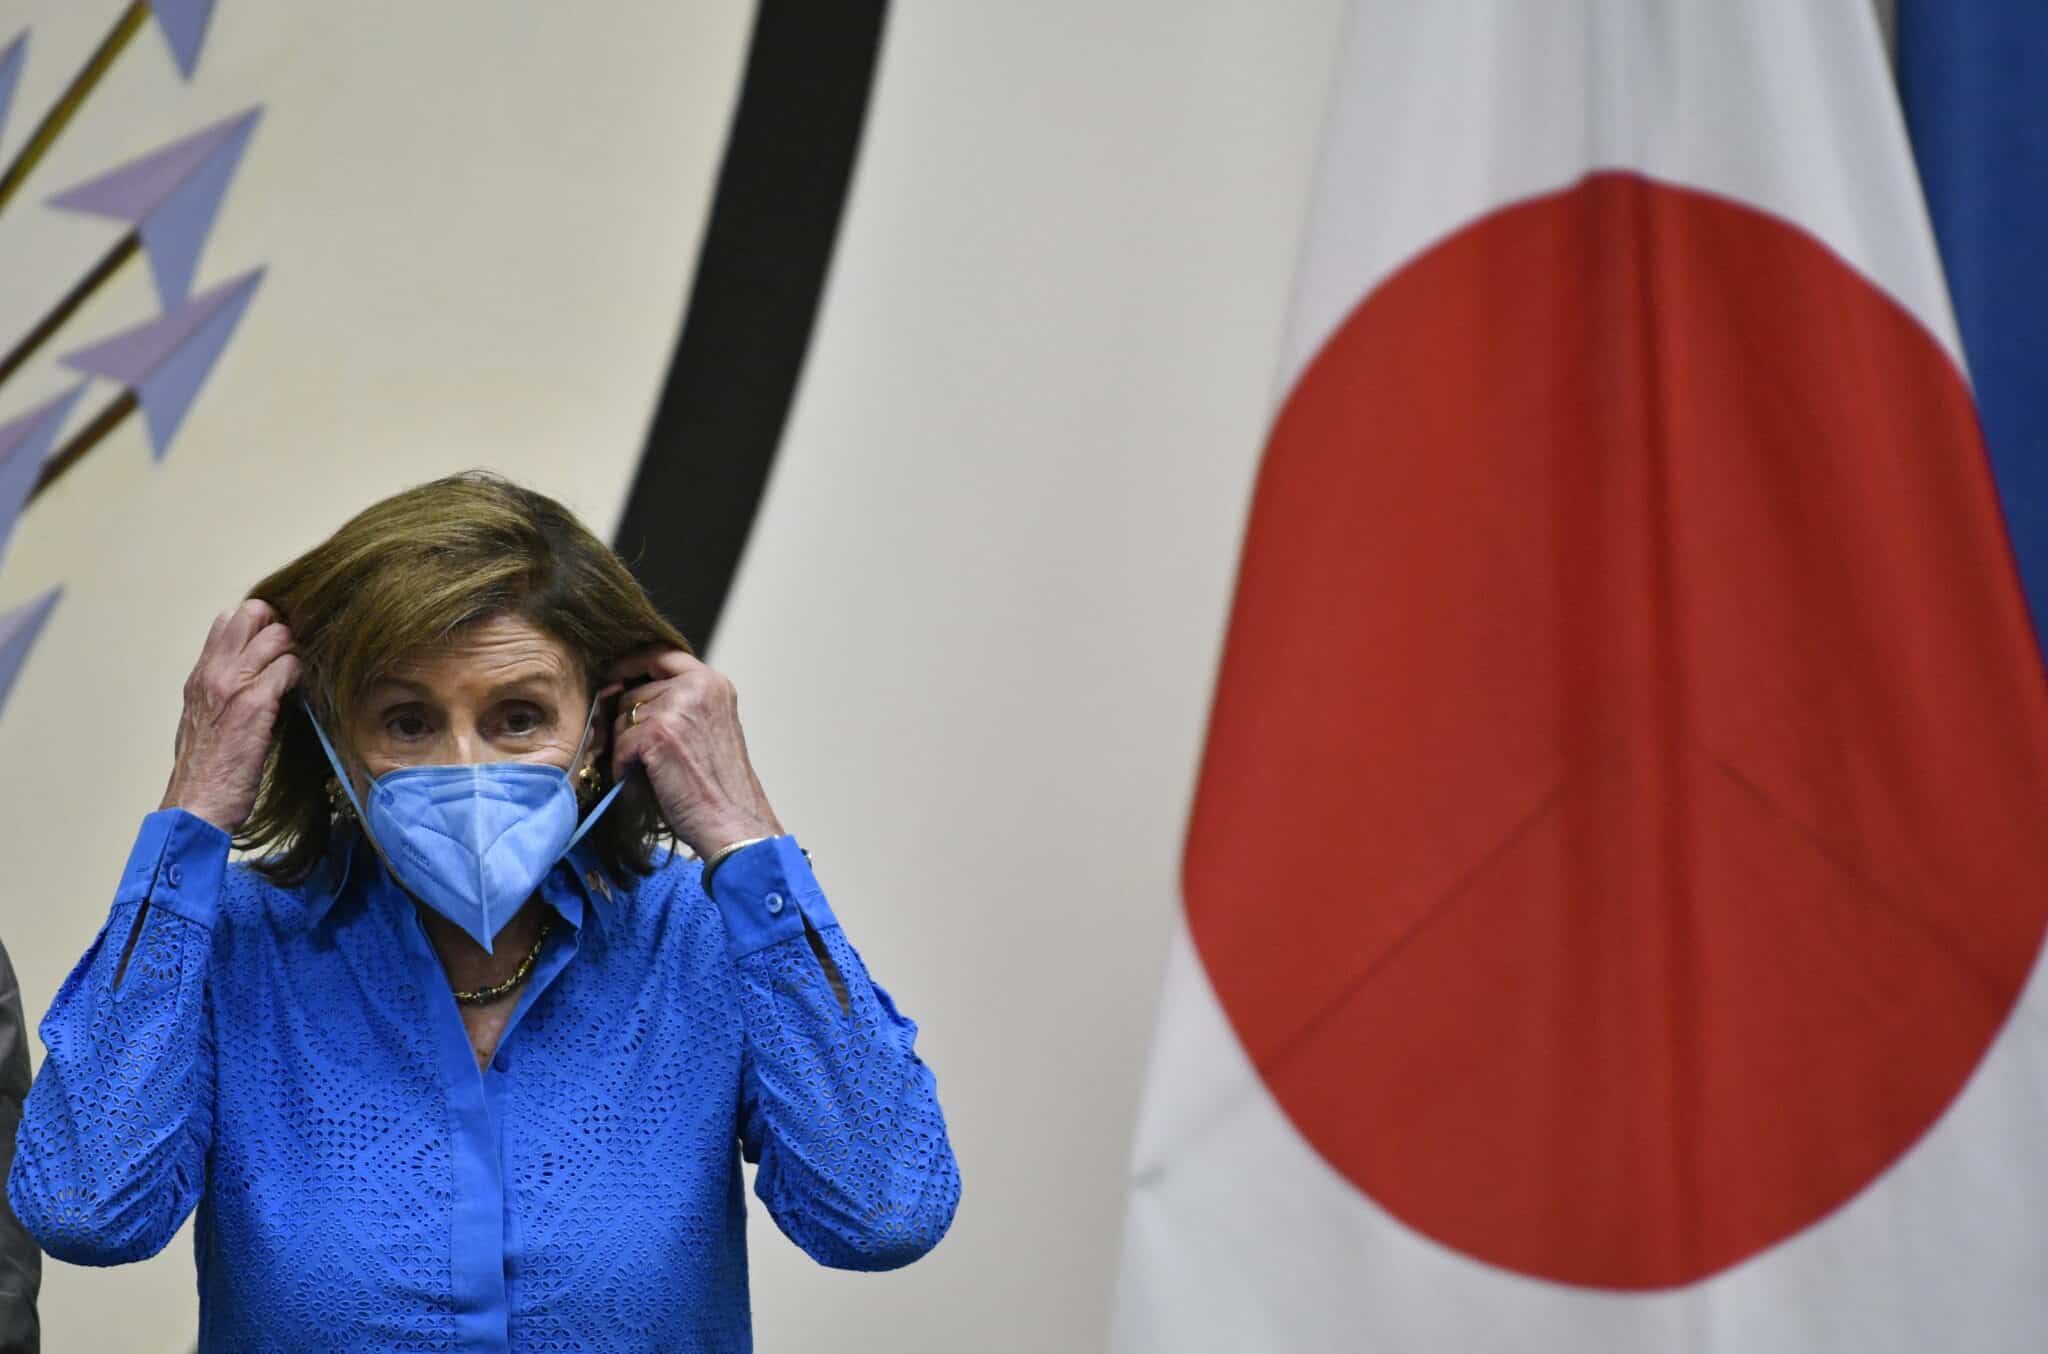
(408, 572)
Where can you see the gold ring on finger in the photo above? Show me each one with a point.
(634, 717)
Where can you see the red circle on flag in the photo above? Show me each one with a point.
(1620, 831)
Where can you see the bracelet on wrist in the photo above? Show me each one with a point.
(717, 858)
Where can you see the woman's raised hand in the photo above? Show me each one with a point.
(682, 726)
(231, 704)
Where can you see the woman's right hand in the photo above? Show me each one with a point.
(231, 704)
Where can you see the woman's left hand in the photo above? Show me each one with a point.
(682, 726)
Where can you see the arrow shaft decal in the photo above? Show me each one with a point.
(47, 327)
(82, 441)
(71, 100)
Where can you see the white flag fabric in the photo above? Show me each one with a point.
(1616, 879)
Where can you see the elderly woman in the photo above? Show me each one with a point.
(465, 1062)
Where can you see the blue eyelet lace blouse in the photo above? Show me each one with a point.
(293, 1063)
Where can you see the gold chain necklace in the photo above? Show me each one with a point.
(484, 995)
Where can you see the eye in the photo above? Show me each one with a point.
(520, 720)
(406, 723)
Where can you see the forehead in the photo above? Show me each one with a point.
(488, 652)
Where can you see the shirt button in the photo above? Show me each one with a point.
(774, 901)
(501, 1063)
(174, 876)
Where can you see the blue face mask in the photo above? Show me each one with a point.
(472, 842)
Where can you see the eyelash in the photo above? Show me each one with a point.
(531, 716)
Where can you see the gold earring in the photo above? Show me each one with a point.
(588, 780)
(337, 802)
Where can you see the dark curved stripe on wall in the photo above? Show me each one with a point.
(767, 248)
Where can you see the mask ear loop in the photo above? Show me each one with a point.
(589, 723)
(348, 787)
(597, 809)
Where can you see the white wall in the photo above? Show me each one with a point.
(975, 631)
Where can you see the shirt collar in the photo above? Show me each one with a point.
(589, 885)
(330, 878)
(351, 859)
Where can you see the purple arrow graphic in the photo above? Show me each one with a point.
(24, 442)
(171, 197)
(184, 27)
(10, 71)
(164, 361)
(18, 631)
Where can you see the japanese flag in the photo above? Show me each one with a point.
(1618, 866)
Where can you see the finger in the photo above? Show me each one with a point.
(245, 621)
(637, 742)
(628, 666)
(623, 724)
(226, 665)
(280, 675)
(647, 699)
(642, 696)
(264, 646)
(627, 751)
(655, 661)
(211, 645)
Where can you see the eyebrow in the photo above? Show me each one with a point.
(518, 683)
(525, 682)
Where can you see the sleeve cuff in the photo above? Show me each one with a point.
(177, 864)
(765, 894)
